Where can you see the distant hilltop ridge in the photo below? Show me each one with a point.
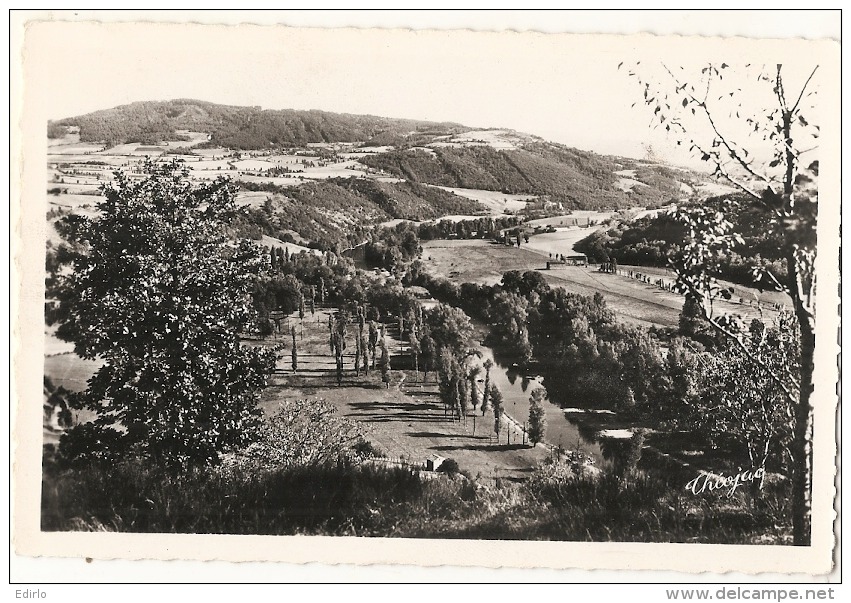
(247, 128)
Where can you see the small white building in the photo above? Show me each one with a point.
(434, 462)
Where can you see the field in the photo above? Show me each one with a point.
(567, 220)
(498, 139)
(498, 203)
(632, 300)
(561, 241)
(477, 261)
(78, 169)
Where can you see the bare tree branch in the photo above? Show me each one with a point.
(733, 153)
(721, 138)
(778, 89)
(801, 95)
(780, 286)
(723, 171)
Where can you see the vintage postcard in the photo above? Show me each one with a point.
(432, 297)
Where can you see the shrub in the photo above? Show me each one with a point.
(367, 449)
(449, 466)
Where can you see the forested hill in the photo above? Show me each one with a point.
(339, 213)
(576, 179)
(561, 178)
(149, 122)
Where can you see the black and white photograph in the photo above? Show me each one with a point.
(423, 296)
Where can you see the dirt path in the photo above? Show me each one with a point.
(406, 420)
(410, 423)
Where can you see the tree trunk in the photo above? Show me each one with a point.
(365, 353)
(357, 356)
(802, 466)
(802, 440)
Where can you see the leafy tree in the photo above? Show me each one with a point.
(384, 363)
(488, 364)
(449, 374)
(428, 350)
(415, 322)
(693, 324)
(360, 348)
(782, 187)
(295, 349)
(56, 408)
(364, 352)
(537, 415)
(737, 403)
(373, 340)
(511, 312)
(496, 400)
(338, 343)
(301, 433)
(473, 377)
(357, 353)
(160, 295)
(450, 328)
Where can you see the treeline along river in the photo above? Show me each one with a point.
(516, 387)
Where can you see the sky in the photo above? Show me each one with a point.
(563, 88)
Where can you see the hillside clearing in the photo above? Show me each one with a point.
(632, 300)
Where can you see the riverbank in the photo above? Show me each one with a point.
(406, 421)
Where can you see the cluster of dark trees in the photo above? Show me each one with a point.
(54, 130)
(439, 339)
(573, 340)
(479, 228)
(643, 242)
(653, 241)
(393, 247)
(294, 281)
(576, 179)
(667, 379)
(340, 213)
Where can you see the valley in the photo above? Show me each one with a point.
(433, 211)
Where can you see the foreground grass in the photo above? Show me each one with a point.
(345, 498)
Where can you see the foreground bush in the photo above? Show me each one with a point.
(344, 498)
(334, 498)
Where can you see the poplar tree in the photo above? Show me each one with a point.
(537, 415)
(497, 403)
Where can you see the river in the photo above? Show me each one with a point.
(516, 390)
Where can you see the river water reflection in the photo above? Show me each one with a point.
(516, 389)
